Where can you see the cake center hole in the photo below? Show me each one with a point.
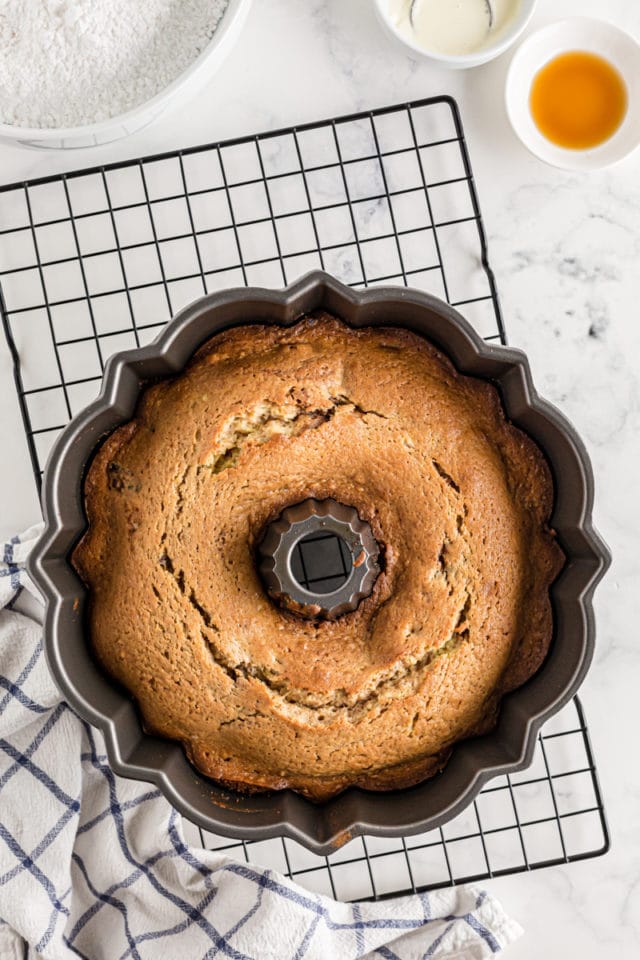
(321, 562)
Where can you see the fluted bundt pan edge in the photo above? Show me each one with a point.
(134, 753)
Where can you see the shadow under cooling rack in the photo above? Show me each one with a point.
(98, 260)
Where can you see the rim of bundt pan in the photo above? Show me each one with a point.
(320, 827)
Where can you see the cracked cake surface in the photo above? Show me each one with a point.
(265, 417)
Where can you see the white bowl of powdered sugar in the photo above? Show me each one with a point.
(76, 73)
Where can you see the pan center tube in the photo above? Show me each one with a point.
(319, 559)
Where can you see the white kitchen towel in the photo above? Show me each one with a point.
(95, 866)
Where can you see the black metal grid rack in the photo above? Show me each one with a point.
(98, 260)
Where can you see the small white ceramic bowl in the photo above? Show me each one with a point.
(577, 33)
(93, 134)
(463, 61)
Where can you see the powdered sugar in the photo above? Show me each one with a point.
(64, 63)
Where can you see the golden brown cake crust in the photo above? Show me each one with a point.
(263, 418)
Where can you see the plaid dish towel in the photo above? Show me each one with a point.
(95, 866)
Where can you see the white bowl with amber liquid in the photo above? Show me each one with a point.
(582, 122)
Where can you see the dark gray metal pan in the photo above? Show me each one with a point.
(133, 753)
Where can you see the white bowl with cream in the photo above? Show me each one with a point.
(456, 33)
(583, 34)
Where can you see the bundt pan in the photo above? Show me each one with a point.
(320, 827)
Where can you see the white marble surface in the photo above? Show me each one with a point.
(565, 249)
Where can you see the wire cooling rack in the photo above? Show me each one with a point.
(97, 261)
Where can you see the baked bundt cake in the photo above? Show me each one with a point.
(265, 417)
